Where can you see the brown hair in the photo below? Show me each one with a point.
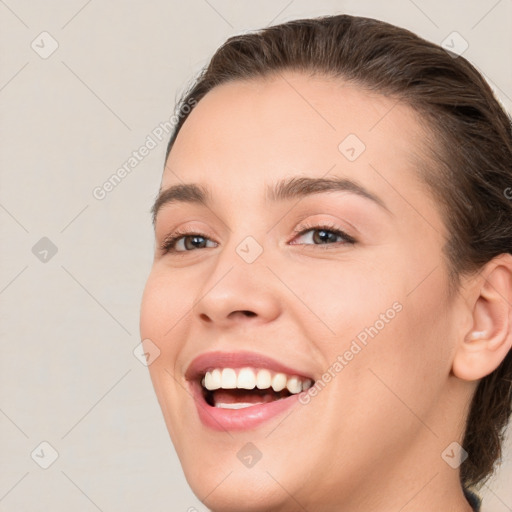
(472, 162)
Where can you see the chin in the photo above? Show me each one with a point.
(241, 492)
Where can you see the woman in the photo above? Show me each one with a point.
(332, 284)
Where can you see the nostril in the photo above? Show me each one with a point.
(242, 312)
(247, 313)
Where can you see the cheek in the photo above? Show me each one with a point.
(164, 308)
(163, 318)
(401, 366)
(337, 300)
(408, 362)
(382, 324)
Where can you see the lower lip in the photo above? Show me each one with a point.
(247, 418)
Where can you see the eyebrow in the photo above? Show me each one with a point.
(286, 189)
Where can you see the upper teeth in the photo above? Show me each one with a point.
(250, 378)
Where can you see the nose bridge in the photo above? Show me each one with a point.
(238, 280)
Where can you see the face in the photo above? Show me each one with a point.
(313, 258)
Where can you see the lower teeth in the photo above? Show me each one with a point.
(240, 405)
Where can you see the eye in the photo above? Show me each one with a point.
(323, 235)
(183, 241)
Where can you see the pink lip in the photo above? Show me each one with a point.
(236, 419)
(210, 360)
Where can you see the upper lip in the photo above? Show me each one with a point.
(218, 359)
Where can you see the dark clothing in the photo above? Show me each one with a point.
(473, 499)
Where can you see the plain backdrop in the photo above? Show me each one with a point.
(82, 85)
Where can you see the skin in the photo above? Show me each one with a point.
(372, 439)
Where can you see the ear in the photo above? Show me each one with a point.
(487, 343)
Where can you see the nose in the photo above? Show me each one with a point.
(236, 293)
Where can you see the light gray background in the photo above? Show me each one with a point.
(69, 325)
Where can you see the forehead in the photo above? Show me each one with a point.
(296, 118)
(245, 135)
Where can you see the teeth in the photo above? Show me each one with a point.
(294, 385)
(246, 379)
(306, 385)
(279, 382)
(216, 379)
(228, 379)
(263, 379)
(240, 405)
(250, 378)
(212, 380)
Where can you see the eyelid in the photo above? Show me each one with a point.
(168, 245)
(326, 226)
(346, 238)
(318, 219)
(177, 234)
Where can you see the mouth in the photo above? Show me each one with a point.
(230, 388)
(238, 391)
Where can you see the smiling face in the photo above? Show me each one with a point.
(302, 253)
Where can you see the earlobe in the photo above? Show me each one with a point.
(482, 349)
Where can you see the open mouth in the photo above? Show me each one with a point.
(231, 388)
(243, 390)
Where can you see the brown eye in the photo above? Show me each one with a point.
(186, 242)
(194, 242)
(322, 235)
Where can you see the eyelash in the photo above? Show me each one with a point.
(169, 243)
(330, 228)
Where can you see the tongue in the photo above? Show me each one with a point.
(256, 396)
